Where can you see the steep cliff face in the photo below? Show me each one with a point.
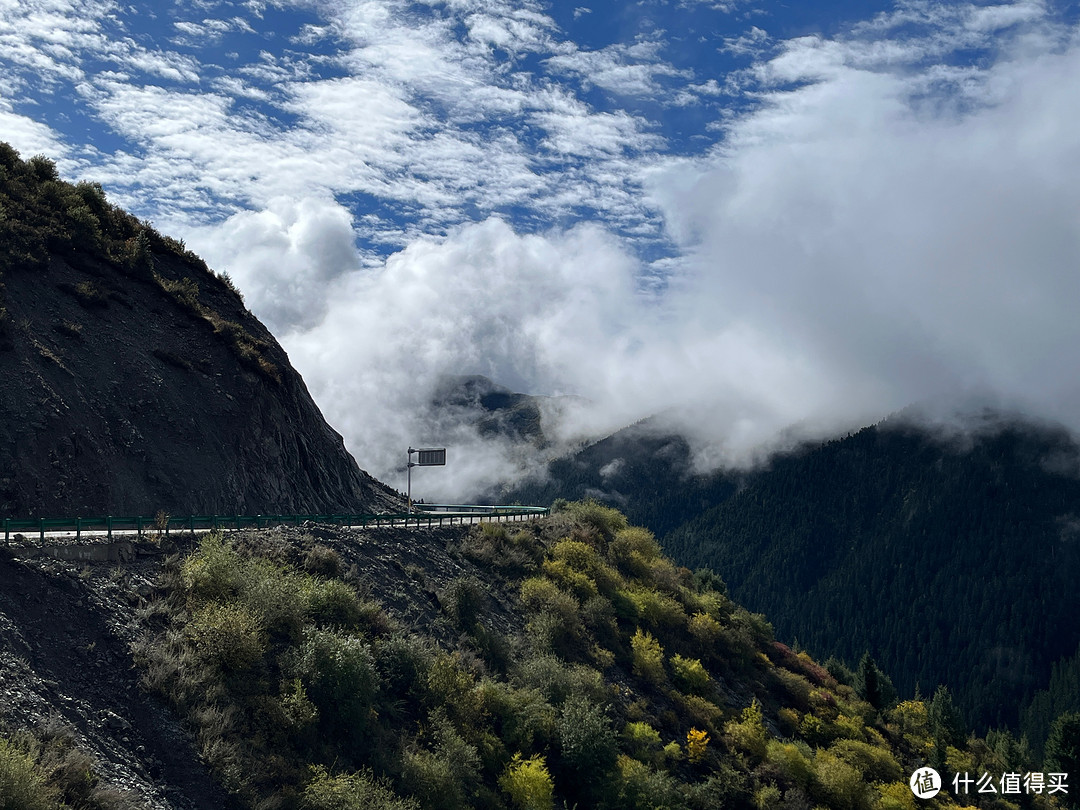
(133, 379)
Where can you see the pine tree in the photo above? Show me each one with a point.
(1063, 749)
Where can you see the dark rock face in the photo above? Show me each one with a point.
(129, 389)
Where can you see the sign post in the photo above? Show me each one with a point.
(427, 457)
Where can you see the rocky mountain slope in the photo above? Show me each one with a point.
(133, 380)
(563, 661)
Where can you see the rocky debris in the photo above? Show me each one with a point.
(66, 635)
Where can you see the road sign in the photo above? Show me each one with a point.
(431, 457)
(426, 457)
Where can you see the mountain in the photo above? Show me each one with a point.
(644, 470)
(133, 379)
(952, 562)
(561, 662)
(493, 408)
(949, 559)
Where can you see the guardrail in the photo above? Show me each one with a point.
(426, 515)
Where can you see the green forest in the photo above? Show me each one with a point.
(950, 560)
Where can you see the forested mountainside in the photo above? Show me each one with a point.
(133, 379)
(951, 564)
(950, 560)
(565, 662)
(643, 470)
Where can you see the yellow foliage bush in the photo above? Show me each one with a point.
(528, 783)
(697, 743)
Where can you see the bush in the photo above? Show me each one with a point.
(604, 519)
(633, 549)
(659, 610)
(875, 764)
(324, 562)
(22, 787)
(528, 783)
(648, 657)
(354, 791)
(215, 571)
(334, 603)
(748, 734)
(794, 761)
(228, 636)
(839, 784)
(586, 740)
(690, 675)
(339, 675)
(645, 788)
(643, 741)
(462, 600)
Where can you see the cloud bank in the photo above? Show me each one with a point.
(791, 236)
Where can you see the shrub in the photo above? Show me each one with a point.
(462, 600)
(528, 783)
(22, 786)
(875, 764)
(659, 610)
(648, 657)
(697, 742)
(215, 571)
(228, 636)
(334, 603)
(604, 519)
(690, 674)
(793, 760)
(339, 675)
(705, 629)
(546, 674)
(642, 741)
(633, 549)
(354, 791)
(586, 739)
(645, 788)
(324, 562)
(839, 784)
(748, 734)
(298, 709)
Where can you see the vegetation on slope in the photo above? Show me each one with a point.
(950, 564)
(628, 682)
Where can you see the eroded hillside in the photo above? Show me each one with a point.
(133, 379)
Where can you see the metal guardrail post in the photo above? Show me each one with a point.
(41, 526)
(78, 528)
(108, 524)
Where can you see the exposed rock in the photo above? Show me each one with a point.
(133, 379)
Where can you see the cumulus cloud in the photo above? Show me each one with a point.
(871, 235)
(538, 312)
(284, 257)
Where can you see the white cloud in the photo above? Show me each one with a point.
(486, 301)
(283, 257)
(630, 70)
(28, 136)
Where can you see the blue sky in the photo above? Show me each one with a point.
(749, 216)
